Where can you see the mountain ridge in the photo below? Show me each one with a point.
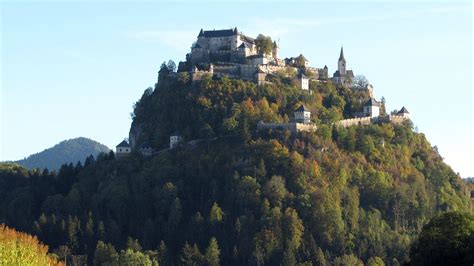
(66, 151)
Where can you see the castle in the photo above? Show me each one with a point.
(230, 53)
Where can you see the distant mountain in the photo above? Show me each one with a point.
(67, 151)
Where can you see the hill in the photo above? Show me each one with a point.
(242, 196)
(67, 151)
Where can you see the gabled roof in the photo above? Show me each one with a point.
(123, 144)
(403, 111)
(372, 102)
(218, 33)
(245, 45)
(247, 39)
(302, 108)
(349, 73)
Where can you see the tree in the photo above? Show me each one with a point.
(301, 61)
(105, 253)
(131, 257)
(171, 66)
(133, 244)
(163, 68)
(293, 229)
(264, 44)
(216, 214)
(213, 253)
(275, 190)
(162, 253)
(375, 261)
(18, 248)
(190, 255)
(348, 260)
(448, 239)
(360, 82)
(63, 252)
(383, 110)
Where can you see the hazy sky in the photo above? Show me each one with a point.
(71, 69)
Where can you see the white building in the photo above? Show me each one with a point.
(302, 115)
(175, 139)
(404, 112)
(123, 149)
(303, 81)
(372, 108)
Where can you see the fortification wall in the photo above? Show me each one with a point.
(354, 121)
(292, 126)
(309, 127)
(397, 119)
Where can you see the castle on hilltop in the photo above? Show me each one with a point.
(230, 53)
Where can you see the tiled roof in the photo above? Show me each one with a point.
(123, 144)
(218, 33)
(403, 111)
(245, 45)
(372, 102)
(302, 108)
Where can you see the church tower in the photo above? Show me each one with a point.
(341, 64)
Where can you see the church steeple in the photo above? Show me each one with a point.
(341, 56)
(341, 64)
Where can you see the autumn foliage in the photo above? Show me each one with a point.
(17, 248)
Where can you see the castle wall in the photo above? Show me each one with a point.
(292, 126)
(395, 119)
(354, 121)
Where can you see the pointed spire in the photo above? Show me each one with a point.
(341, 56)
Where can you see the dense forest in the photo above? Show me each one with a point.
(71, 150)
(338, 196)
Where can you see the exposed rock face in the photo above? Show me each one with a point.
(135, 133)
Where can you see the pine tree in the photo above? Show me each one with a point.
(216, 214)
(213, 253)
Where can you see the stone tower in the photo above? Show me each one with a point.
(341, 64)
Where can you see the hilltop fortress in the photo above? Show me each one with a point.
(230, 53)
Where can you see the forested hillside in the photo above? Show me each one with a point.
(344, 196)
(67, 151)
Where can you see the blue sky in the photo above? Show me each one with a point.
(71, 69)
